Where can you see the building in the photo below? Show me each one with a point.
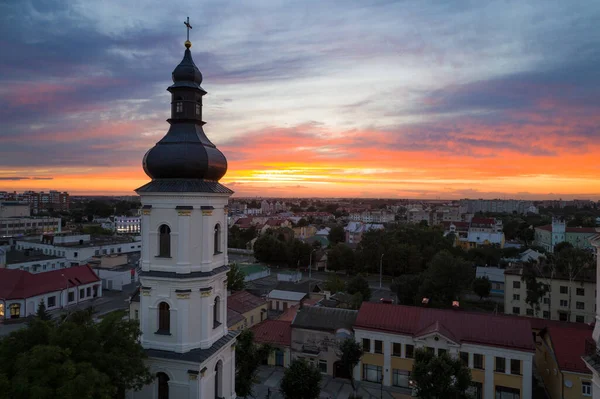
(32, 261)
(316, 333)
(496, 277)
(483, 232)
(549, 235)
(380, 216)
(555, 304)
(183, 301)
(592, 350)
(498, 350)
(497, 206)
(278, 334)
(282, 300)
(355, 230)
(252, 308)
(115, 271)
(559, 361)
(41, 201)
(14, 209)
(18, 226)
(128, 224)
(21, 292)
(79, 249)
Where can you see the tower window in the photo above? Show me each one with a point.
(163, 385)
(197, 109)
(217, 239)
(217, 313)
(179, 107)
(164, 318)
(164, 241)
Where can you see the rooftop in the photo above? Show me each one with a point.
(93, 242)
(243, 301)
(475, 328)
(274, 332)
(324, 319)
(233, 317)
(569, 346)
(587, 230)
(286, 295)
(14, 257)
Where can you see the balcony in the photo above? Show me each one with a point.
(311, 349)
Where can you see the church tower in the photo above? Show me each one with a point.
(183, 301)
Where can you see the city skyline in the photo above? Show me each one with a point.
(319, 99)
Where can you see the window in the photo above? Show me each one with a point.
(580, 291)
(197, 109)
(163, 385)
(500, 364)
(400, 378)
(97, 252)
(516, 297)
(396, 349)
(372, 373)
(104, 252)
(179, 107)
(81, 293)
(429, 349)
(74, 254)
(464, 357)
(507, 393)
(51, 301)
(562, 316)
(546, 314)
(378, 346)
(475, 390)
(217, 238)
(516, 284)
(164, 241)
(586, 388)
(564, 289)
(1, 310)
(88, 291)
(366, 344)
(164, 318)
(217, 313)
(515, 366)
(71, 297)
(529, 312)
(546, 301)
(516, 310)
(478, 361)
(579, 305)
(323, 366)
(564, 303)
(136, 314)
(441, 351)
(15, 310)
(579, 319)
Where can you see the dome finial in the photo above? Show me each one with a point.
(187, 43)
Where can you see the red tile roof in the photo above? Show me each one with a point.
(18, 284)
(289, 314)
(477, 328)
(569, 345)
(458, 225)
(233, 317)
(483, 221)
(274, 332)
(243, 301)
(548, 227)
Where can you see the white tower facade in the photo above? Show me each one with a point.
(183, 301)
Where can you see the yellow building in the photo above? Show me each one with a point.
(252, 308)
(278, 334)
(498, 350)
(558, 361)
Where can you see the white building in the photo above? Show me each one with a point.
(380, 216)
(31, 261)
(21, 292)
(592, 357)
(128, 224)
(16, 226)
(183, 301)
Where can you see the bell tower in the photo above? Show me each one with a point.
(183, 301)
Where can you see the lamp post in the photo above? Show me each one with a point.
(381, 271)
(310, 264)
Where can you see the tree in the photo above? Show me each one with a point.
(350, 352)
(336, 235)
(302, 223)
(534, 289)
(573, 264)
(340, 257)
(235, 278)
(41, 313)
(358, 284)
(76, 358)
(406, 288)
(335, 284)
(482, 287)
(441, 376)
(446, 278)
(301, 381)
(248, 357)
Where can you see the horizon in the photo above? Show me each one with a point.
(408, 100)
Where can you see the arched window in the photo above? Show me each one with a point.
(163, 385)
(164, 241)
(15, 311)
(198, 107)
(217, 313)
(179, 105)
(1, 310)
(217, 238)
(219, 379)
(164, 318)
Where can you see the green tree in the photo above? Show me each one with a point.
(406, 288)
(534, 289)
(439, 377)
(340, 257)
(235, 278)
(446, 278)
(42, 313)
(573, 264)
(350, 352)
(335, 284)
(358, 284)
(76, 358)
(336, 235)
(482, 287)
(301, 381)
(302, 223)
(248, 357)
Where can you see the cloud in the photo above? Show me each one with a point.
(17, 178)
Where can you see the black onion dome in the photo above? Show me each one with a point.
(187, 74)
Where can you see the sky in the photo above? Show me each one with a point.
(394, 99)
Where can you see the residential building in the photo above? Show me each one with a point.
(483, 232)
(79, 248)
(278, 334)
(282, 300)
(355, 230)
(496, 277)
(379, 216)
(498, 206)
(18, 226)
(252, 308)
(128, 224)
(555, 304)
(592, 350)
(498, 350)
(14, 209)
(40, 201)
(316, 333)
(21, 292)
(549, 235)
(304, 231)
(32, 261)
(559, 362)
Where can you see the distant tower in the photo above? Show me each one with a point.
(559, 228)
(183, 301)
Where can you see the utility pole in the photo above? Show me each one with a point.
(381, 271)
(310, 264)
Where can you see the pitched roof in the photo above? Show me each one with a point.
(233, 317)
(18, 284)
(289, 314)
(243, 301)
(548, 227)
(436, 327)
(569, 346)
(274, 332)
(487, 221)
(324, 319)
(477, 328)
